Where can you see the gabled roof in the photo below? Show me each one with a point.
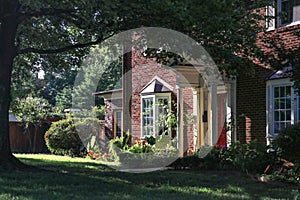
(107, 92)
(110, 94)
(157, 85)
(286, 72)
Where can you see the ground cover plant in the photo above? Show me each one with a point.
(62, 177)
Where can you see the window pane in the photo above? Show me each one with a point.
(118, 123)
(288, 91)
(282, 125)
(162, 116)
(282, 104)
(282, 91)
(276, 92)
(147, 116)
(288, 103)
(276, 127)
(276, 118)
(282, 115)
(288, 115)
(276, 103)
(287, 11)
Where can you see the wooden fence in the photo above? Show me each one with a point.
(22, 141)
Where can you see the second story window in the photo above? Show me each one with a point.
(289, 11)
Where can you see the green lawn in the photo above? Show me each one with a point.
(68, 178)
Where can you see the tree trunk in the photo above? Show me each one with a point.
(8, 30)
(35, 137)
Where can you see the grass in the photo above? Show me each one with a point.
(61, 177)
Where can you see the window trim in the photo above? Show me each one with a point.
(271, 84)
(115, 122)
(156, 97)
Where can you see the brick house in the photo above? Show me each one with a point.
(260, 103)
(266, 100)
(152, 89)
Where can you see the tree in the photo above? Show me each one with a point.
(55, 34)
(31, 111)
(50, 34)
(101, 74)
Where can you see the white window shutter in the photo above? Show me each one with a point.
(270, 18)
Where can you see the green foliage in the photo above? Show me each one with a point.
(151, 140)
(234, 26)
(118, 144)
(287, 143)
(141, 146)
(31, 110)
(167, 121)
(99, 73)
(62, 138)
(187, 162)
(89, 130)
(94, 112)
(248, 158)
(63, 100)
(284, 174)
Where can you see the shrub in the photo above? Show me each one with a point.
(89, 130)
(62, 138)
(287, 143)
(119, 143)
(249, 158)
(187, 162)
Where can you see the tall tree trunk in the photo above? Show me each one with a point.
(8, 30)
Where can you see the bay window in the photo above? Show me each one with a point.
(154, 110)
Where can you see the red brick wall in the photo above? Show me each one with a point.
(251, 88)
(143, 71)
(251, 105)
(188, 129)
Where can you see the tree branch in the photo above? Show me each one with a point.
(62, 49)
(57, 50)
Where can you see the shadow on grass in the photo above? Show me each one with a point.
(92, 180)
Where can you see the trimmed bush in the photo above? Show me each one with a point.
(287, 143)
(62, 138)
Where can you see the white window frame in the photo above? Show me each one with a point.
(156, 97)
(271, 84)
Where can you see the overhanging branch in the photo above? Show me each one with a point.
(58, 50)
